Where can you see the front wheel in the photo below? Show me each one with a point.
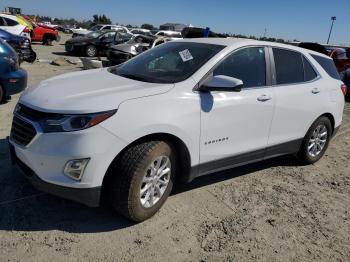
(143, 180)
(316, 141)
(91, 51)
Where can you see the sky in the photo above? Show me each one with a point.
(305, 20)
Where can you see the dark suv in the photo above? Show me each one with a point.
(12, 78)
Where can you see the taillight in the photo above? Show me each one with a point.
(26, 30)
(344, 89)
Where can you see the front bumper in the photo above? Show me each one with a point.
(46, 155)
(14, 82)
(86, 196)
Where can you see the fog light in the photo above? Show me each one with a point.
(75, 168)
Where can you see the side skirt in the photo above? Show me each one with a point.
(243, 159)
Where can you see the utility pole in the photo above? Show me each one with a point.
(333, 18)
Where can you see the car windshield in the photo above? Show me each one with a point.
(168, 63)
(94, 34)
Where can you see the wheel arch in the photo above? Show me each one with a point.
(331, 118)
(183, 156)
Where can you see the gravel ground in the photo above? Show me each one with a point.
(270, 211)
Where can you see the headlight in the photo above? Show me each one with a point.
(69, 123)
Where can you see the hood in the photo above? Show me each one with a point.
(87, 92)
(46, 27)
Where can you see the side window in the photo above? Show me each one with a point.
(109, 35)
(309, 72)
(10, 22)
(2, 23)
(328, 65)
(247, 64)
(107, 28)
(289, 66)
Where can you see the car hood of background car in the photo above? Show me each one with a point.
(87, 92)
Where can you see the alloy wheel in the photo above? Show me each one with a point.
(317, 140)
(155, 181)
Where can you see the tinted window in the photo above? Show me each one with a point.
(246, 64)
(328, 65)
(1, 22)
(289, 66)
(10, 22)
(168, 63)
(107, 28)
(309, 72)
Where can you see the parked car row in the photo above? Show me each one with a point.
(24, 26)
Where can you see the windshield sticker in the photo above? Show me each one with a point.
(185, 55)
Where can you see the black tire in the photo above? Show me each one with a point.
(91, 51)
(126, 183)
(304, 155)
(2, 94)
(47, 40)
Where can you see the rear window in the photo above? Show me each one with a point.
(10, 22)
(328, 65)
(289, 66)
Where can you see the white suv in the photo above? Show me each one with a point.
(178, 111)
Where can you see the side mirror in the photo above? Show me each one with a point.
(222, 83)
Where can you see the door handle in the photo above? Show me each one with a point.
(315, 90)
(264, 98)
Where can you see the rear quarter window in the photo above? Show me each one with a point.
(328, 65)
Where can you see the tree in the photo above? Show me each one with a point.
(101, 19)
(147, 26)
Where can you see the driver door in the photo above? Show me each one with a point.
(106, 41)
(235, 125)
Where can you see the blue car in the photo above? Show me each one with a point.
(13, 79)
(21, 44)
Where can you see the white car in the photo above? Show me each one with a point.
(172, 34)
(183, 109)
(11, 24)
(82, 32)
(140, 31)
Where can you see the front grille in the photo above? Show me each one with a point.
(22, 132)
(30, 113)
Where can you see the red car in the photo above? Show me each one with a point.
(42, 33)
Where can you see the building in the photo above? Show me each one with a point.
(172, 27)
(13, 10)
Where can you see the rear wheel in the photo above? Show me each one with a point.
(316, 141)
(47, 39)
(144, 180)
(91, 51)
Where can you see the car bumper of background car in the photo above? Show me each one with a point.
(44, 159)
(28, 55)
(117, 57)
(14, 82)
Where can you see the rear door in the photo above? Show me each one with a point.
(235, 125)
(299, 99)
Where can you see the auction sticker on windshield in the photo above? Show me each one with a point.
(185, 55)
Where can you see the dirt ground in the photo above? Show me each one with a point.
(275, 210)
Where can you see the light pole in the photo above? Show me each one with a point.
(330, 31)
